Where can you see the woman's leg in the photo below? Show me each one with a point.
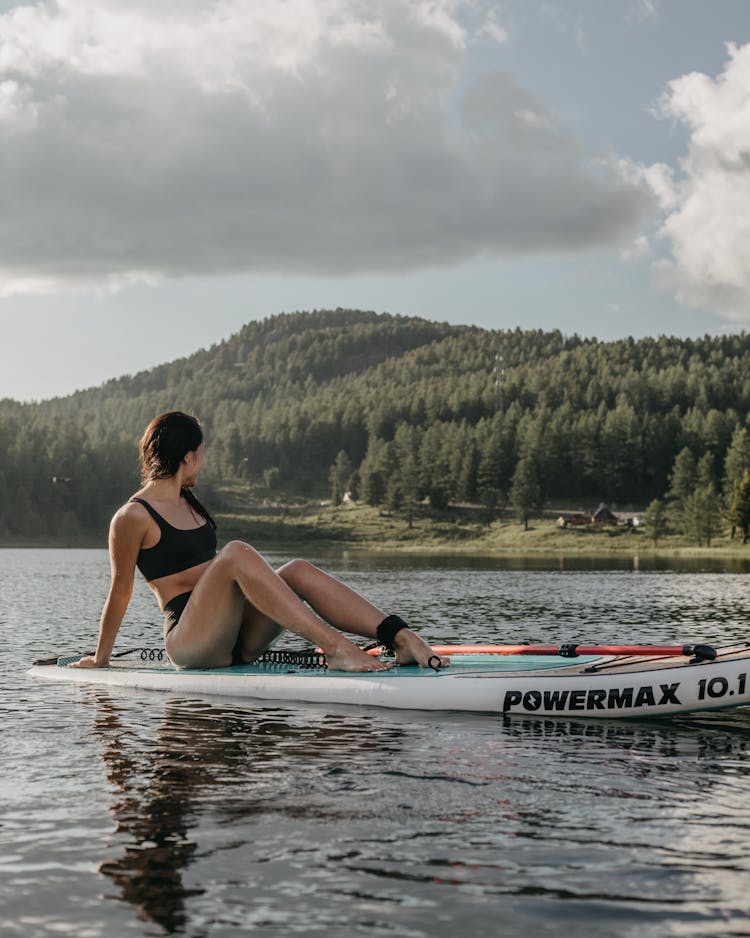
(257, 634)
(210, 626)
(343, 607)
(333, 600)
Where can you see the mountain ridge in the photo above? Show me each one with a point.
(413, 408)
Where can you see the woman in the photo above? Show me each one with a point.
(228, 606)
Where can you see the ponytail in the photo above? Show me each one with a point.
(192, 500)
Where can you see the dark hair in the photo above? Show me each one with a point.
(164, 444)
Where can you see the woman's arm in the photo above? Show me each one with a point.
(125, 538)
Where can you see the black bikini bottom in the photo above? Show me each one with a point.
(173, 610)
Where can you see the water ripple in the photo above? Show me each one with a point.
(130, 813)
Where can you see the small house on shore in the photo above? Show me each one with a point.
(577, 519)
(603, 515)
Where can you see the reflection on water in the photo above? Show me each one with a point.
(152, 808)
(134, 813)
(162, 785)
(394, 815)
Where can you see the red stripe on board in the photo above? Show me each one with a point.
(668, 650)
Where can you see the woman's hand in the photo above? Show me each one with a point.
(89, 661)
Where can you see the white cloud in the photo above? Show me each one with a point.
(17, 111)
(644, 10)
(708, 227)
(639, 249)
(160, 139)
(493, 29)
(660, 179)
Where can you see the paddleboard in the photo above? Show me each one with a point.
(514, 685)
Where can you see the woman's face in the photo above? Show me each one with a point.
(194, 463)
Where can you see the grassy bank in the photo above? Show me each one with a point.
(458, 529)
(286, 524)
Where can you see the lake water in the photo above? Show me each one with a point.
(125, 813)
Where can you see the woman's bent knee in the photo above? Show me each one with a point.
(237, 552)
(235, 548)
(295, 572)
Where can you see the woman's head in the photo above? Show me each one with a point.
(165, 443)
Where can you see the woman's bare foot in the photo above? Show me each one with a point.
(411, 649)
(345, 656)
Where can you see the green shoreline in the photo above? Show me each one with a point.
(466, 530)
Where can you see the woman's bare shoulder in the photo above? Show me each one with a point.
(127, 532)
(130, 518)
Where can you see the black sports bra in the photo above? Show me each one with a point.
(176, 549)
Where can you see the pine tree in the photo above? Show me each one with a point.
(372, 479)
(488, 471)
(467, 479)
(739, 505)
(701, 514)
(524, 491)
(682, 480)
(409, 475)
(656, 520)
(394, 495)
(340, 476)
(704, 470)
(737, 459)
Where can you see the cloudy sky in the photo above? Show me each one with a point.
(172, 170)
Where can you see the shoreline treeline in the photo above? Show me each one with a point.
(398, 410)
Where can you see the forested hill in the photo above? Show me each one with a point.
(404, 408)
